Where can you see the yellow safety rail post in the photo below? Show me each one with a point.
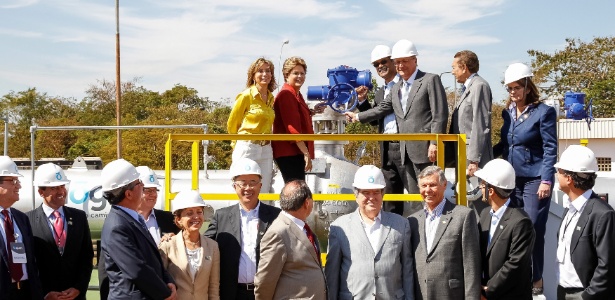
(197, 138)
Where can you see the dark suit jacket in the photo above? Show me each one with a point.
(592, 249)
(378, 97)
(23, 223)
(132, 261)
(166, 224)
(225, 228)
(507, 260)
(472, 117)
(451, 269)
(73, 269)
(426, 112)
(530, 143)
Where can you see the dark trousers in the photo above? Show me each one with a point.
(569, 293)
(244, 294)
(23, 293)
(525, 196)
(401, 176)
(291, 167)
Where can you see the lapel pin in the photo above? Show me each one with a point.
(578, 228)
(70, 222)
(501, 227)
(444, 222)
(207, 257)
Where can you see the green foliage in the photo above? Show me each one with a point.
(371, 155)
(587, 67)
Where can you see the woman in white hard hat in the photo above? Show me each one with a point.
(529, 143)
(253, 113)
(293, 116)
(191, 258)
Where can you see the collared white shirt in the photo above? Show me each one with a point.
(431, 222)
(496, 216)
(466, 84)
(249, 234)
(405, 88)
(390, 123)
(300, 223)
(152, 226)
(18, 238)
(566, 274)
(374, 231)
(133, 213)
(51, 218)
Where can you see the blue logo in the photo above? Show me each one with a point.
(58, 176)
(371, 179)
(151, 178)
(247, 168)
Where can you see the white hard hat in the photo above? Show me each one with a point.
(50, 174)
(499, 173)
(579, 159)
(517, 71)
(117, 174)
(244, 166)
(380, 51)
(148, 177)
(369, 177)
(473, 191)
(8, 167)
(403, 48)
(185, 199)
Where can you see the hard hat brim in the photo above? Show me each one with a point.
(189, 205)
(51, 184)
(368, 186)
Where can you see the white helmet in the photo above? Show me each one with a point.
(403, 48)
(244, 166)
(369, 177)
(50, 174)
(498, 173)
(517, 71)
(185, 199)
(579, 159)
(473, 191)
(380, 51)
(148, 177)
(8, 167)
(117, 174)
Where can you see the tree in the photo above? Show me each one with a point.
(587, 67)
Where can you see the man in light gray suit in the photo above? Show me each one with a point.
(419, 103)
(375, 262)
(445, 243)
(472, 112)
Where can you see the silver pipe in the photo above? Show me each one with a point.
(32, 132)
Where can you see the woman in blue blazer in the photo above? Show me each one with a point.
(529, 143)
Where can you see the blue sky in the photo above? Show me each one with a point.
(63, 46)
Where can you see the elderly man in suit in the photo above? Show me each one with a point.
(375, 262)
(238, 229)
(390, 156)
(18, 270)
(63, 246)
(506, 236)
(159, 222)
(290, 266)
(132, 260)
(418, 101)
(586, 236)
(445, 244)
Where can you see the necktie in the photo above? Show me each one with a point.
(58, 227)
(142, 223)
(463, 89)
(15, 269)
(310, 236)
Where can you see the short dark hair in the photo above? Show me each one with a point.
(469, 59)
(116, 196)
(582, 181)
(294, 194)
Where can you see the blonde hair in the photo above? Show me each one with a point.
(291, 63)
(259, 62)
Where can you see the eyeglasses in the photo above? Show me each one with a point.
(245, 184)
(377, 64)
(402, 61)
(15, 181)
(134, 184)
(514, 89)
(150, 190)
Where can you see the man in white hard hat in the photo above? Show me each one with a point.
(62, 238)
(445, 244)
(238, 229)
(472, 112)
(419, 103)
(586, 236)
(159, 222)
(370, 254)
(506, 236)
(132, 260)
(18, 269)
(390, 155)
(290, 265)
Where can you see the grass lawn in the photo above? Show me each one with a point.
(93, 294)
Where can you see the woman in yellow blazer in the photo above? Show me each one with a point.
(191, 258)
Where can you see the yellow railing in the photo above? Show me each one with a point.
(197, 138)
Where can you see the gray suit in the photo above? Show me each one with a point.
(426, 112)
(451, 269)
(472, 117)
(354, 271)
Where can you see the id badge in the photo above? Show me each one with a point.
(18, 250)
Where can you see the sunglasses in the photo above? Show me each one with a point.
(377, 64)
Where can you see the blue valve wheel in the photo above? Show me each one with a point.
(340, 97)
